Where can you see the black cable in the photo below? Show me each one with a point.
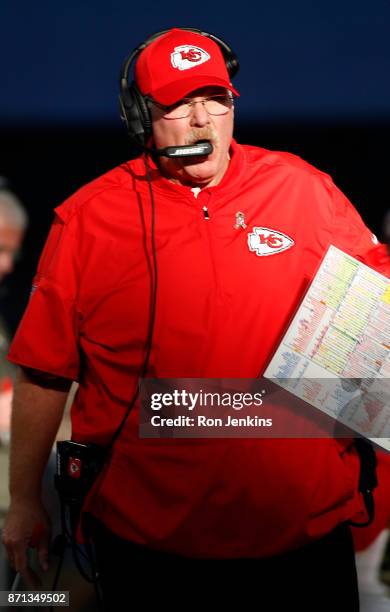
(70, 535)
(152, 315)
(61, 543)
(58, 548)
(95, 574)
(70, 539)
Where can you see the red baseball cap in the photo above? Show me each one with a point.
(177, 63)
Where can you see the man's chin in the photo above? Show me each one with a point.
(202, 169)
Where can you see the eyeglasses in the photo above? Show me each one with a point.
(214, 105)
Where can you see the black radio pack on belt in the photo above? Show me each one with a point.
(78, 465)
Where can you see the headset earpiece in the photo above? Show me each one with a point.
(231, 59)
(134, 112)
(133, 107)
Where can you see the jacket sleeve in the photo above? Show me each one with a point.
(47, 336)
(350, 234)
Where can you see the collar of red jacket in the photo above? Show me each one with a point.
(231, 178)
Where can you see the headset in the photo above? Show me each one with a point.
(133, 107)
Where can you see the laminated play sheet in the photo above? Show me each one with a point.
(335, 354)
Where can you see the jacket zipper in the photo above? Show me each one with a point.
(196, 191)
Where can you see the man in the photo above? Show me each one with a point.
(271, 513)
(13, 222)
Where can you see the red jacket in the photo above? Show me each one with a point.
(221, 310)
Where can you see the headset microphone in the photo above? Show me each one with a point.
(200, 148)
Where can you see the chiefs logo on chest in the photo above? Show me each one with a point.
(265, 241)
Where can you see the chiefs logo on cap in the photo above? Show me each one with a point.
(188, 56)
(265, 241)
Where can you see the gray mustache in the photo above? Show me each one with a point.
(202, 134)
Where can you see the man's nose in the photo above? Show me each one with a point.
(199, 115)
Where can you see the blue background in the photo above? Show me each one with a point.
(303, 59)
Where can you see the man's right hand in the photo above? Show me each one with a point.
(38, 407)
(27, 525)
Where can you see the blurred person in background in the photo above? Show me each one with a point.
(13, 223)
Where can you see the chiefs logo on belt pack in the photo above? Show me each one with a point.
(74, 467)
(188, 56)
(265, 241)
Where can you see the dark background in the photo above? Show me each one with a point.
(314, 80)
